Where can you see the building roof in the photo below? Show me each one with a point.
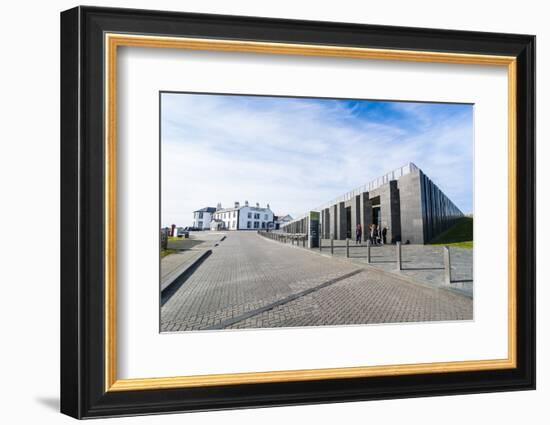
(227, 210)
(259, 209)
(252, 208)
(207, 209)
(372, 185)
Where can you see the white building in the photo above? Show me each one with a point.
(216, 225)
(282, 220)
(244, 217)
(202, 218)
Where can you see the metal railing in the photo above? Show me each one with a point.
(300, 239)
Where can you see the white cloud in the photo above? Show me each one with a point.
(298, 153)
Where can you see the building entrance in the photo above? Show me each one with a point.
(376, 216)
(348, 222)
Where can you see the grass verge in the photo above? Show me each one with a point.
(460, 235)
(165, 252)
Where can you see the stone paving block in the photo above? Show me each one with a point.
(247, 272)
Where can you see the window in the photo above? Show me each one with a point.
(200, 224)
(265, 216)
(257, 216)
(234, 214)
(249, 215)
(200, 215)
(263, 224)
(249, 224)
(256, 225)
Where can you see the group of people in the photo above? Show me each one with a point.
(375, 235)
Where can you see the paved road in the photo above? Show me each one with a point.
(189, 250)
(251, 282)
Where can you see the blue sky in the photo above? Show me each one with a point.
(297, 153)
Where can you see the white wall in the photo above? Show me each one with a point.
(29, 171)
(206, 218)
(243, 218)
(229, 218)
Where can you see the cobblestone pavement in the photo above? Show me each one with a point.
(368, 297)
(190, 249)
(249, 281)
(423, 263)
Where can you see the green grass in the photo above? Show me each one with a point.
(460, 235)
(176, 238)
(165, 252)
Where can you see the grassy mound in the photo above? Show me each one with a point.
(460, 235)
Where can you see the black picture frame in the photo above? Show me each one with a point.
(83, 392)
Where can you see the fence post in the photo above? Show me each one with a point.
(447, 262)
(320, 244)
(347, 247)
(368, 251)
(331, 244)
(163, 239)
(399, 264)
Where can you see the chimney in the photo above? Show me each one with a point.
(246, 203)
(257, 205)
(237, 204)
(267, 206)
(219, 206)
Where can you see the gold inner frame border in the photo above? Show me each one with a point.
(113, 40)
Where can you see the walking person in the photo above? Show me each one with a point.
(384, 235)
(373, 234)
(358, 234)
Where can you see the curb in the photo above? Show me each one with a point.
(173, 286)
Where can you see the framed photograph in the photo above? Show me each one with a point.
(261, 212)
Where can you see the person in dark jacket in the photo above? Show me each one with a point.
(358, 234)
(384, 235)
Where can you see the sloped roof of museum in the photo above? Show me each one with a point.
(373, 184)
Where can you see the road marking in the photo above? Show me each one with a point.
(247, 315)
